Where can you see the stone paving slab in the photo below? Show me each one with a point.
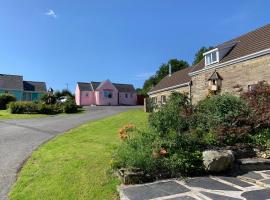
(256, 187)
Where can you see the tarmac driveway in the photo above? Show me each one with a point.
(19, 138)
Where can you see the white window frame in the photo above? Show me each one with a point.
(211, 57)
(163, 97)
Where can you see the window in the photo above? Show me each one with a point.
(154, 99)
(126, 95)
(107, 94)
(86, 94)
(163, 99)
(131, 95)
(212, 57)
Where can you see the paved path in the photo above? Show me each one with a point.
(249, 186)
(18, 138)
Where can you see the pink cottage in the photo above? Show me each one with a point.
(105, 93)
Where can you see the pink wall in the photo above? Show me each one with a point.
(84, 98)
(101, 100)
(130, 100)
(87, 98)
(77, 95)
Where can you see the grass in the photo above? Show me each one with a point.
(5, 114)
(76, 165)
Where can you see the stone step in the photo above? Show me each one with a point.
(253, 164)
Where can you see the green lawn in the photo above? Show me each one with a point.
(5, 114)
(76, 165)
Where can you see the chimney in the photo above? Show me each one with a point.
(170, 69)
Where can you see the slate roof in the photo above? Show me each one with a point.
(124, 87)
(177, 78)
(215, 76)
(246, 44)
(11, 82)
(120, 87)
(85, 86)
(34, 86)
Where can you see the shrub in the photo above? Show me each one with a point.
(70, 106)
(226, 115)
(48, 99)
(23, 107)
(159, 156)
(261, 139)
(173, 116)
(5, 99)
(259, 101)
(49, 109)
(34, 108)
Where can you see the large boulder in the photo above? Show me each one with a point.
(218, 160)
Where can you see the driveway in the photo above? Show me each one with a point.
(19, 138)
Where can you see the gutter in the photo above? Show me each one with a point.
(169, 88)
(231, 62)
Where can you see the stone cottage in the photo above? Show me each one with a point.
(234, 66)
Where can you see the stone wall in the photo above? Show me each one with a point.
(236, 77)
(184, 90)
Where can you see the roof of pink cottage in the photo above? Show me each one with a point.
(92, 86)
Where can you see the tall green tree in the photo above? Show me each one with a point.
(199, 54)
(162, 72)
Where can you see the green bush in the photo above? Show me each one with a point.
(173, 116)
(20, 107)
(5, 99)
(70, 106)
(226, 115)
(48, 99)
(159, 156)
(34, 108)
(49, 109)
(261, 139)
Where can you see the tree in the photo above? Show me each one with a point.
(162, 72)
(199, 54)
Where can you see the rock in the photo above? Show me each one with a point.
(131, 176)
(264, 154)
(218, 160)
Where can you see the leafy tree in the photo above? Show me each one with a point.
(162, 72)
(199, 54)
(63, 93)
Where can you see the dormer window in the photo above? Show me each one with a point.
(211, 57)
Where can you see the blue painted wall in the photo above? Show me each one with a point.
(18, 94)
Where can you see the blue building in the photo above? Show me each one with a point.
(22, 90)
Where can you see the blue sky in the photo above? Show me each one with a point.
(64, 41)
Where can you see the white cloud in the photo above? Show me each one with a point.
(143, 76)
(51, 13)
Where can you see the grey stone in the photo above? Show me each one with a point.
(218, 160)
(236, 181)
(155, 190)
(254, 164)
(218, 197)
(257, 194)
(183, 198)
(208, 183)
(253, 175)
(267, 182)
